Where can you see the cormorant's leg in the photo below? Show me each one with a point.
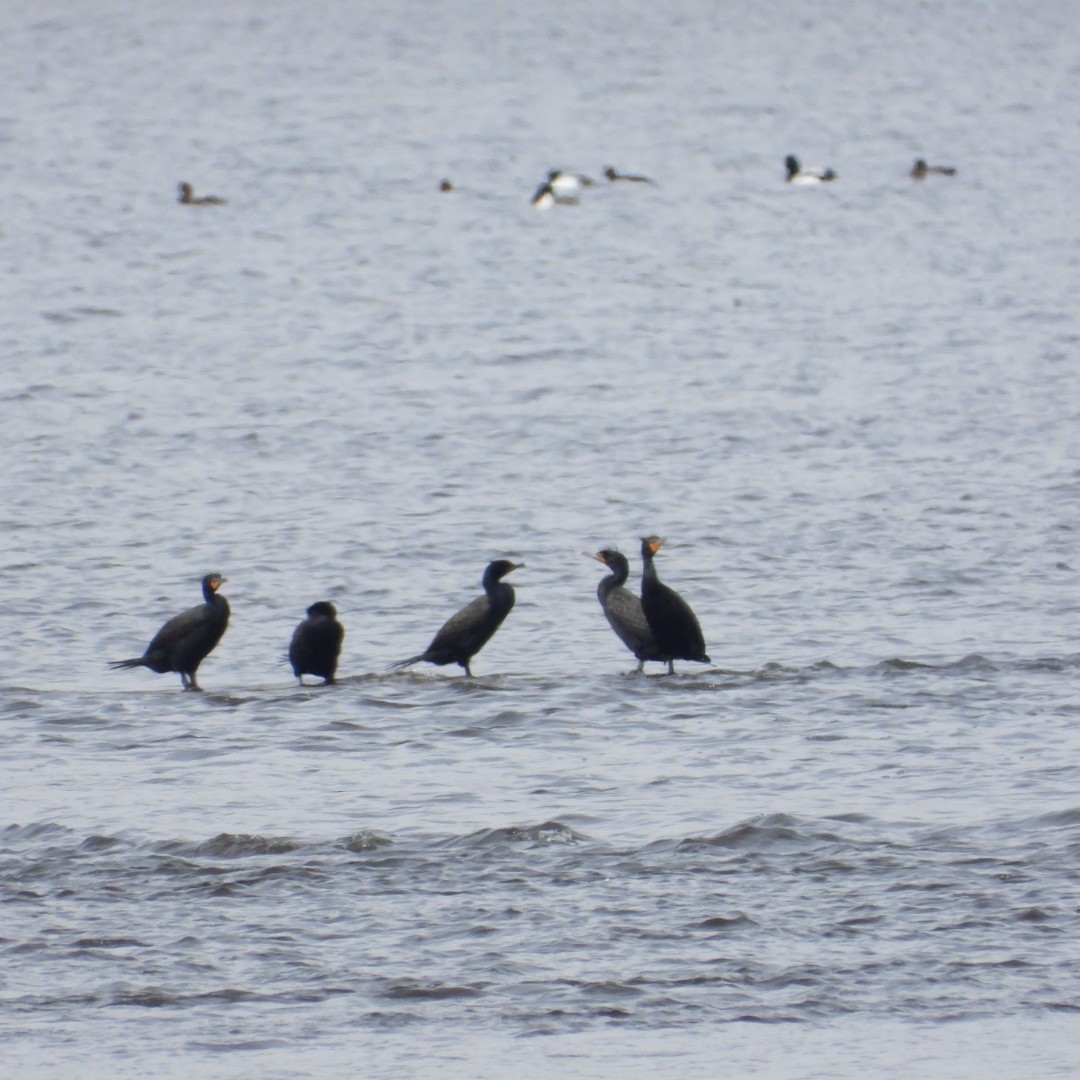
(671, 667)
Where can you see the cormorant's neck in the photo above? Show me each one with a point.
(648, 571)
(620, 571)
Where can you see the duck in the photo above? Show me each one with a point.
(613, 175)
(562, 183)
(187, 197)
(920, 170)
(798, 175)
(546, 196)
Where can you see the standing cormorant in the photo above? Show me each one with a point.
(186, 640)
(623, 609)
(316, 643)
(674, 625)
(463, 635)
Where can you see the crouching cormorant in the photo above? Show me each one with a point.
(316, 643)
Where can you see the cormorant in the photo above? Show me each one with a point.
(623, 609)
(797, 175)
(187, 639)
(316, 643)
(920, 170)
(463, 635)
(187, 197)
(674, 625)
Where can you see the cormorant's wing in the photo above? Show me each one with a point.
(179, 626)
(460, 629)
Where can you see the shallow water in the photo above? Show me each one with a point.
(848, 847)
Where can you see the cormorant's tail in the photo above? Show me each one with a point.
(135, 661)
(406, 663)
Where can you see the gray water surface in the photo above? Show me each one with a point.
(848, 846)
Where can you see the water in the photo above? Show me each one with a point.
(847, 848)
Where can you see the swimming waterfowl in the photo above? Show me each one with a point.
(545, 196)
(187, 197)
(563, 183)
(798, 175)
(920, 170)
(613, 175)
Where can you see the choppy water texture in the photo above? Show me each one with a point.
(849, 847)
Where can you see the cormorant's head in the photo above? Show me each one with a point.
(607, 556)
(213, 582)
(322, 609)
(791, 163)
(186, 191)
(650, 545)
(500, 568)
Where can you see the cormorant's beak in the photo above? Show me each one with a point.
(590, 555)
(654, 543)
(217, 583)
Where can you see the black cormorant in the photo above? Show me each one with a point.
(623, 609)
(186, 640)
(316, 643)
(674, 625)
(463, 635)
